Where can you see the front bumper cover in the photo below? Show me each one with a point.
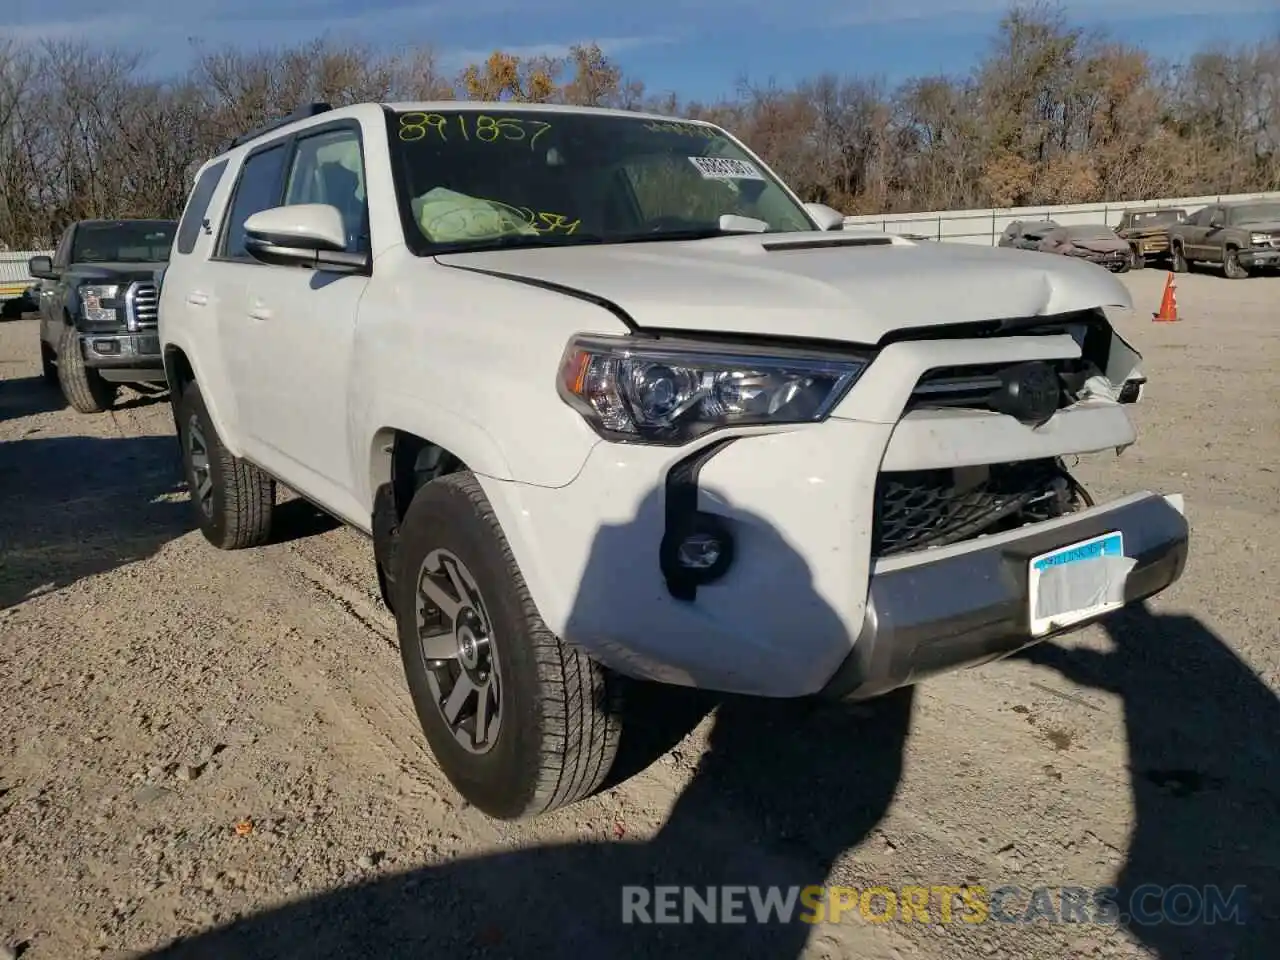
(124, 356)
(1259, 258)
(967, 608)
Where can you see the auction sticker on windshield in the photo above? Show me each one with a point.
(722, 168)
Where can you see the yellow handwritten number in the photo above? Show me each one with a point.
(542, 128)
(413, 126)
(486, 129)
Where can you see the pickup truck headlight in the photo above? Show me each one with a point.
(93, 305)
(1258, 239)
(668, 393)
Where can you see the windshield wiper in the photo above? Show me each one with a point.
(514, 241)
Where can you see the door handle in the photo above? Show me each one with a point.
(197, 299)
(260, 311)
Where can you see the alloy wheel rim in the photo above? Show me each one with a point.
(201, 475)
(455, 639)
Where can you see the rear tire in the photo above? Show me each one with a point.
(1177, 261)
(233, 499)
(1136, 260)
(83, 386)
(532, 724)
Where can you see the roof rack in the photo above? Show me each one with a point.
(302, 113)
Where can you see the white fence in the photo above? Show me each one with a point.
(985, 226)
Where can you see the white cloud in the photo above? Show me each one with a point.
(610, 46)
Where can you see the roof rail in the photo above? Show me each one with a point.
(302, 113)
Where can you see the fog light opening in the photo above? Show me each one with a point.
(696, 553)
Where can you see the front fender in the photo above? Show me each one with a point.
(459, 434)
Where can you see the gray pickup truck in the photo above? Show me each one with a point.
(1242, 237)
(98, 308)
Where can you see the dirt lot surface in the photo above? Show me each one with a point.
(155, 693)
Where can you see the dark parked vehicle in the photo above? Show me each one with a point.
(1147, 233)
(1025, 234)
(98, 300)
(1242, 237)
(1095, 242)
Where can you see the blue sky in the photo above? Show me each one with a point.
(695, 47)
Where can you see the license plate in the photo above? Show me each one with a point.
(1077, 582)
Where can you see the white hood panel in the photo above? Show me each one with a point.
(855, 293)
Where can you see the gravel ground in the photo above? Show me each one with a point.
(208, 754)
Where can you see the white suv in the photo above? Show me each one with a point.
(612, 402)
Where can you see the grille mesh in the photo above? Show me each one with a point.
(930, 508)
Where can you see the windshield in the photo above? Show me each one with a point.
(1091, 233)
(469, 180)
(1158, 218)
(136, 241)
(1256, 212)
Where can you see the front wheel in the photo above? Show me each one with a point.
(519, 722)
(233, 499)
(82, 386)
(1177, 259)
(1231, 265)
(1136, 260)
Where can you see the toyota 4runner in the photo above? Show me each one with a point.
(611, 402)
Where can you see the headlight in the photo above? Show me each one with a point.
(669, 393)
(1258, 239)
(97, 302)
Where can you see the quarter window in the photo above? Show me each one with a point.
(198, 206)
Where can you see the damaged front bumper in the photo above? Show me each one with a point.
(943, 609)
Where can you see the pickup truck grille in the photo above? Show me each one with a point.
(968, 387)
(916, 509)
(141, 305)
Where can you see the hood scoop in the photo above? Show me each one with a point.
(825, 243)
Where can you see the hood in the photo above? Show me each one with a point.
(843, 286)
(1261, 226)
(1109, 245)
(119, 272)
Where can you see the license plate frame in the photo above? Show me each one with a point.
(1109, 544)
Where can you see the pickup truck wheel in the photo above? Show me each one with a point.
(1136, 260)
(1177, 261)
(83, 386)
(1231, 266)
(233, 499)
(519, 722)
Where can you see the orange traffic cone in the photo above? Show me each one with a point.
(1168, 312)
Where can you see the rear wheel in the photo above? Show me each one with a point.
(1231, 265)
(519, 722)
(233, 499)
(83, 386)
(1177, 261)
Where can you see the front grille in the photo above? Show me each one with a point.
(915, 509)
(141, 305)
(971, 387)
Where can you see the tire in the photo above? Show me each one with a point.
(48, 364)
(1136, 260)
(1124, 267)
(1232, 269)
(1177, 262)
(83, 386)
(233, 500)
(554, 735)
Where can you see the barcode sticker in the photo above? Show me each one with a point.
(723, 168)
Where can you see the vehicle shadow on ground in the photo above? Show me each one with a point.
(783, 790)
(72, 507)
(298, 519)
(1204, 761)
(143, 396)
(28, 396)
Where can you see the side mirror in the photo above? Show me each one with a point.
(827, 218)
(41, 268)
(304, 235)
